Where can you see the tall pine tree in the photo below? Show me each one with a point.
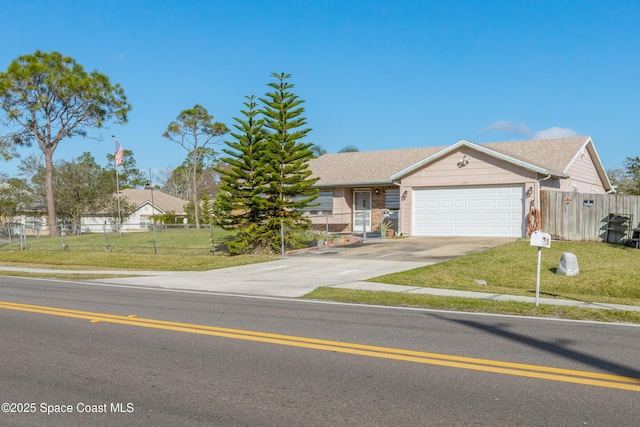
(287, 158)
(266, 181)
(241, 197)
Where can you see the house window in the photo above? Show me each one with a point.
(324, 203)
(392, 198)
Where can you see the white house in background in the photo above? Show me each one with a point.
(464, 189)
(148, 203)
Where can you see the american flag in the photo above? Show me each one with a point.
(119, 152)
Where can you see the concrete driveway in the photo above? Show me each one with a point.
(428, 250)
(294, 276)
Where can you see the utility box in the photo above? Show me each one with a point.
(540, 239)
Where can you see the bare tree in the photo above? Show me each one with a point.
(194, 129)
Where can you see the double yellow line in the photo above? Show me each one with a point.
(485, 365)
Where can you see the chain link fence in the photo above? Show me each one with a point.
(185, 239)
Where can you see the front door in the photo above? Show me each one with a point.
(361, 211)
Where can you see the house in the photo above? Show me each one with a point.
(464, 189)
(147, 204)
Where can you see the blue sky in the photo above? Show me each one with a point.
(374, 74)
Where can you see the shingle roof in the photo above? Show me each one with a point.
(553, 154)
(377, 167)
(161, 201)
(366, 167)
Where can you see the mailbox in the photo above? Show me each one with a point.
(540, 239)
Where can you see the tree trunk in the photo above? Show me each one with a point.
(194, 190)
(52, 222)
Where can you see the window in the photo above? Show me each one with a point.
(392, 198)
(324, 203)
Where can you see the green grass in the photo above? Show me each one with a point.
(168, 241)
(608, 273)
(178, 250)
(114, 261)
(63, 276)
(397, 299)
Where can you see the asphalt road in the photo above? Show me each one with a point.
(246, 361)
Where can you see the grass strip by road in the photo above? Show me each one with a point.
(63, 276)
(485, 365)
(119, 261)
(472, 305)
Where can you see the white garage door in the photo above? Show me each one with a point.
(469, 211)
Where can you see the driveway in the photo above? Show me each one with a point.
(294, 276)
(428, 250)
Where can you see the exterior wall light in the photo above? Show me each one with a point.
(529, 191)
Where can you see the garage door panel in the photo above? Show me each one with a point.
(503, 203)
(469, 211)
(489, 204)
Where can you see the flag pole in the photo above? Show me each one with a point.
(118, 148)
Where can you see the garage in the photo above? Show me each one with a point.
(496, 211)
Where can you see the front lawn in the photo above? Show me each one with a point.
(608, 273)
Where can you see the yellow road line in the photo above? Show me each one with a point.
(485, 365)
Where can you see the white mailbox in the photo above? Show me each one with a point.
(540, 239)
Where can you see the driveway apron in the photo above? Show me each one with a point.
(294, 276)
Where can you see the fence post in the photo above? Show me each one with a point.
(213, 243)
(106, 239)
(281, 237)
(364, 225)
(326, 228)
(23, 245)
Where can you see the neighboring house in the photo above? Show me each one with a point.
(465, 189)
(148, 203)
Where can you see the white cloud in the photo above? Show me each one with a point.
(509, 127)
(520, 128)
(554, 132)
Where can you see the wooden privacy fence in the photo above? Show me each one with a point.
(589, 217)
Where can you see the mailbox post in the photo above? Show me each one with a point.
(541, 240)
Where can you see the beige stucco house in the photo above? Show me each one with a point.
(464, 189)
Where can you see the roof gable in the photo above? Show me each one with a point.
(511, 152)
(162, 201)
